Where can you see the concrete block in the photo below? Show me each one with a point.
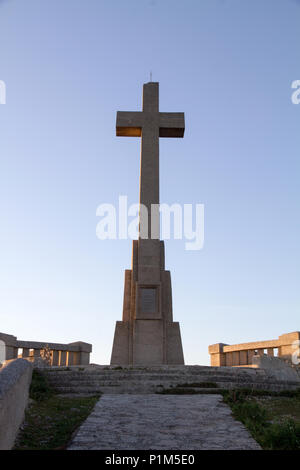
(15, 379)
(174, 344)
(148, 342)
(120, 351)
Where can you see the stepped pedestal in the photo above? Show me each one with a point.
(147, 333)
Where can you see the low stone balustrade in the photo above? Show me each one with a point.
(285, 346)
(15, 379)
(71, 354)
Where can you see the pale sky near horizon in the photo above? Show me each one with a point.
(69, 65)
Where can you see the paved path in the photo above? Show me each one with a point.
(168, 422)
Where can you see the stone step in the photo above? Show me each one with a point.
(111, 390)
(199, 378)
(110, 383)
(130, 374)
(190, 370)
(137, 380)
(151, 387)
(213, 370)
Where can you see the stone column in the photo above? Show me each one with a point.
(63, 358)
(25, 352)
(217, 356)
(243, 358)
(84, 358)
(84, 350)
(251, 353)
(236, 358)
(37, 353)
(76, 358)
(55, 358)
(288, 345)
(70, 357)
(11, 352)
(229, 359)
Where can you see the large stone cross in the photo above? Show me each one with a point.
(147, 333)
(150, 124)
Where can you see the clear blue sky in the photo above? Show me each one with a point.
(69, 65)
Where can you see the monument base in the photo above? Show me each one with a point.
(147, 342)
(147, 335)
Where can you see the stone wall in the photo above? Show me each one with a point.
(277, 368)
(15, 379)
(287, 347)
(70, 354)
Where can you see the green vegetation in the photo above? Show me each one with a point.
(188, 391)
(283, 407)
(198, 385)
(39, 388)
(180, 391)
(59, 369)
(273, 418)
(51, 419)
(250, 392)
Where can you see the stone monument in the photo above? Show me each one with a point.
(147, 334)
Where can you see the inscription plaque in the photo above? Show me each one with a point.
(148, 300)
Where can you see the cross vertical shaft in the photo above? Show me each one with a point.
(149, 176)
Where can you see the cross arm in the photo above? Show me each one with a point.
(171, 125)
(129, 124)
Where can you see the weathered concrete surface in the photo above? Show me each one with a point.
(169, 422)
(15, 379)
(11, 347)
(94, 379)
(276, 367)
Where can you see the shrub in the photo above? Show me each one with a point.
(282, 436)
(39, 388)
